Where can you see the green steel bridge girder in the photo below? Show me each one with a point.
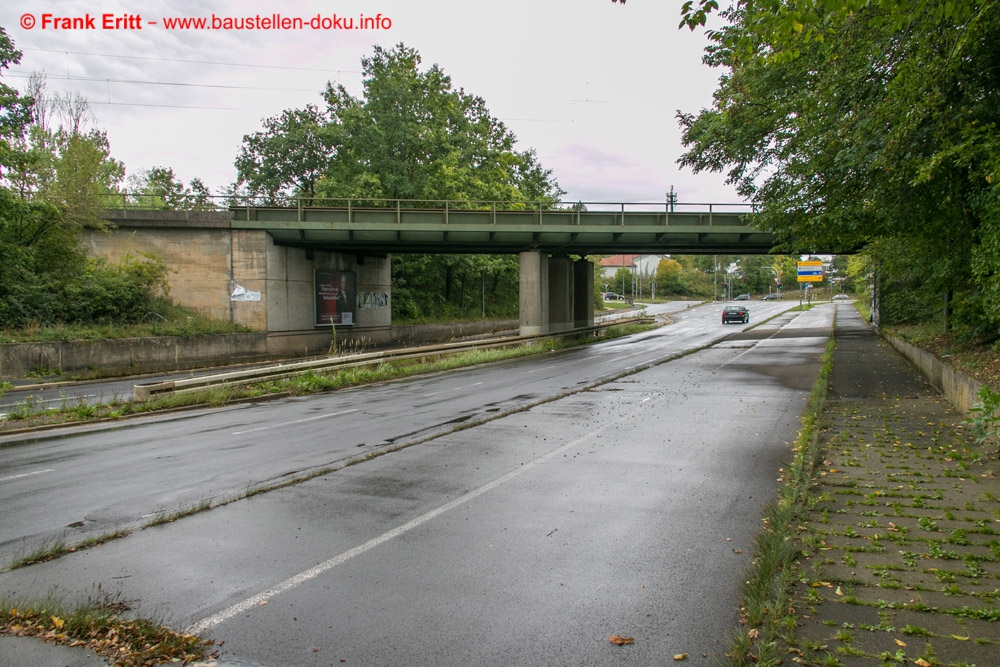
(378, 231)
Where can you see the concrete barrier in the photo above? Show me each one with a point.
(134, 356)
(126, 356)
(960, 389)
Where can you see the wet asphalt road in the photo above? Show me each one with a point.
(75, 484)
(625, 508)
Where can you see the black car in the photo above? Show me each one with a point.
(735, 314)
(742, 297)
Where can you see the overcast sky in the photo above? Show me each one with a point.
(592, 86)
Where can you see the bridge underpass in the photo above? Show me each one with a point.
(241, 248)
(555, 290)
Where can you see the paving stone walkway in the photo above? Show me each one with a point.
(903, 536)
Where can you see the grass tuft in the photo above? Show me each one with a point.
(106, 625)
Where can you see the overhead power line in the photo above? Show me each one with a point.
(99, 79)
(195, 62)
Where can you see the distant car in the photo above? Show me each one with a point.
(841, 297)
(735, 314)
(741, 297)
(611, 296)
(770, 297)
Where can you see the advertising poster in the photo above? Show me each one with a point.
(334, 297)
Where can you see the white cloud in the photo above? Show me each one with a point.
(590, 85)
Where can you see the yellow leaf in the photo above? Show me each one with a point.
(838, 591)
(920, 662)
(58, 622)
(899, 643)
(681, 656)
(620, 641)
(961, 639)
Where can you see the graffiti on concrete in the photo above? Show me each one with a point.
(370, 300)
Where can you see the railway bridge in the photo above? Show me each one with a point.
(296, 271)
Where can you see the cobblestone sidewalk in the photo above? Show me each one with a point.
(901, 559)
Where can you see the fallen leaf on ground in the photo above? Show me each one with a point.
(899, 643)
(681, 656)
(920, 662)
(620, 641)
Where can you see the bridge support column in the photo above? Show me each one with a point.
(583, 293)
(561, 284)
(534, 293)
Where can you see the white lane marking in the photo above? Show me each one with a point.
(435, 393)
(264, 596)
(26, 474)
(297, 421)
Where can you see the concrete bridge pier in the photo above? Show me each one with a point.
(556, 293)
(583, 293)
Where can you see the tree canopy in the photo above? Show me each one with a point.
(865, 124)
(55, 175)
(409, 135)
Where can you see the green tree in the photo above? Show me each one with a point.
(84, 175)
(409, 135)
(668, 276)
(159, 188)
(856, 123)
(15, 109)
(412, 135)
(288, 157)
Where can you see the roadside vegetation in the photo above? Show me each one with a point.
(165, 319)
(106, 625)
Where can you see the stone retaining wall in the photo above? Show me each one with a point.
(960, 389)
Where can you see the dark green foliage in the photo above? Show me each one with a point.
(442, 287)
(867, 126)
(114, 293)
(410, 135)
(58, 183)
(15, 109)
(45, 278)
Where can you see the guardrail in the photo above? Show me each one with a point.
(279, 371)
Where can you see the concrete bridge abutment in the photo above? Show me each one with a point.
(557, 294)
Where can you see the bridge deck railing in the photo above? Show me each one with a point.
(126, 201)
(453, 212)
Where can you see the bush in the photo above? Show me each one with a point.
(103, 293)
